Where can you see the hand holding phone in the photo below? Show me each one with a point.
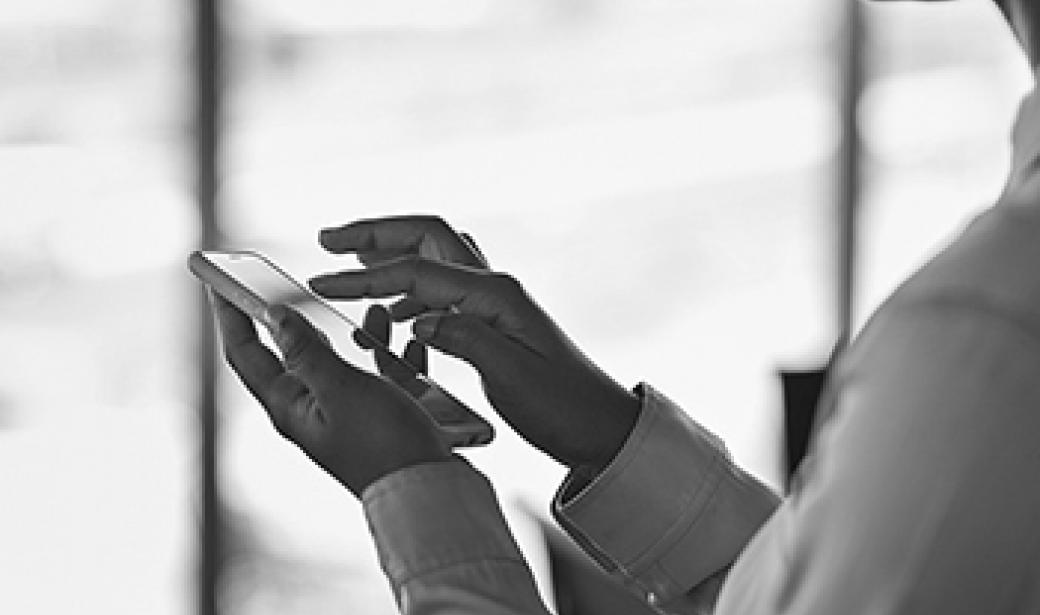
(254, 285)
(354, 424)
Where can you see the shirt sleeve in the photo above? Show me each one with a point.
(918, 494)
(666, 518)
(444, 544)
(917, 497)
(670, 513)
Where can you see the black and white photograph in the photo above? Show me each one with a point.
(520, 307)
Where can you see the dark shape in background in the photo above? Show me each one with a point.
(801, 395)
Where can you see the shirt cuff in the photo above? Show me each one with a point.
(670, 510)
(435, 515)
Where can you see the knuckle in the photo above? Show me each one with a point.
(279, 404)
(299, 351)
(300, 408)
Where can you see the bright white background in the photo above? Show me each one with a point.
(656, 173)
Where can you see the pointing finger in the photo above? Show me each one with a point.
(426, 235)
(435, 284)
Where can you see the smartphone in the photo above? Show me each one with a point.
(252, 282)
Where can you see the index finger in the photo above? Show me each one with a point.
(397, 235)
(438, 285)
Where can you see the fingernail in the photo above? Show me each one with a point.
(424, 328)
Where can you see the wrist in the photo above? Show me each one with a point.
(613, 427)
(414, 473)
(357, 477)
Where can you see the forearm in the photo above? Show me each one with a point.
(445, 546)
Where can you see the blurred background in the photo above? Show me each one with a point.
(666, 177)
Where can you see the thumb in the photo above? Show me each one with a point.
(469, 338)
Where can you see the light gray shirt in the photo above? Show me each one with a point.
(921, 493)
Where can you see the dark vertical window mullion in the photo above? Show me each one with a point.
(802, 390)
(208, 78)
(852, 77)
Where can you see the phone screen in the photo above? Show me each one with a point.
(252, 282)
